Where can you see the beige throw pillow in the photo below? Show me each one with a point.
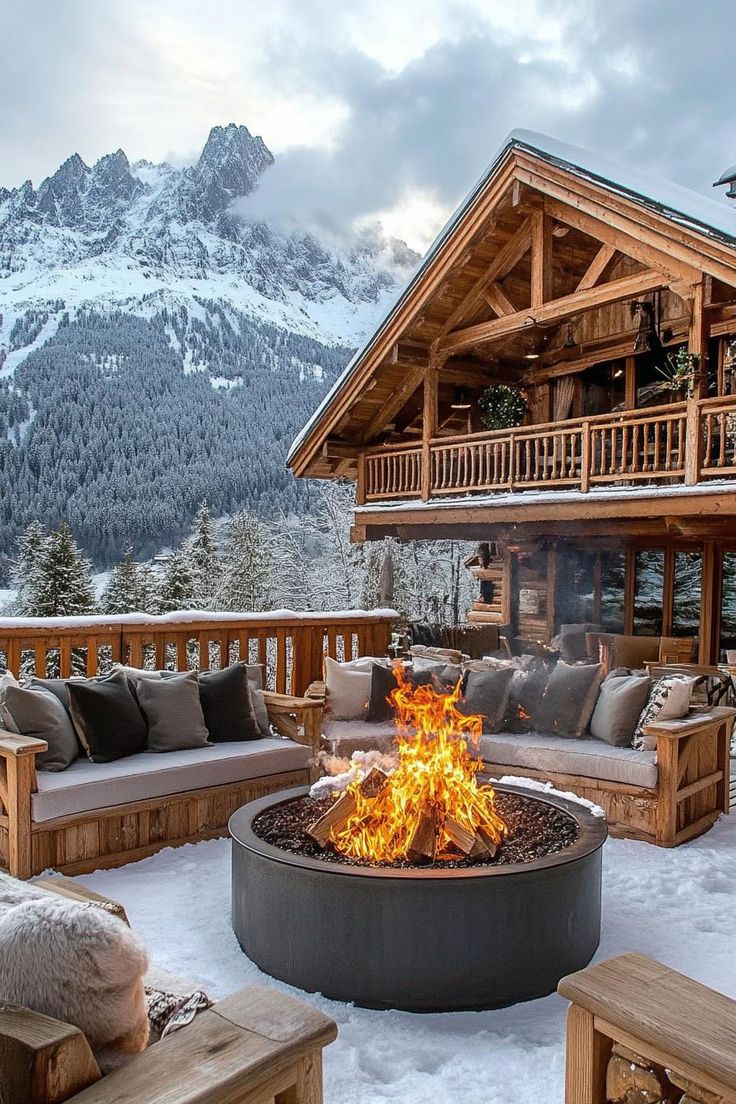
(668, 701)
(348, 689)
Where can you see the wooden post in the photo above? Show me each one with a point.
(42, 1061)
(693, 443)
(429, 425)
(360, 490)
(20, 777)
(587, 1054)
(630, 385)
(668, 591)
(698, 342)
(585, 459)
(710, 595)
(541, 275)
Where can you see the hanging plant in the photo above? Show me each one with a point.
(502, 407)
(678, 371)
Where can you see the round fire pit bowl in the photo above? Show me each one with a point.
(421, 940)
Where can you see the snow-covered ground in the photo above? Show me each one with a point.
(677, 906)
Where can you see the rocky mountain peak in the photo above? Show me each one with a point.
(229, 166)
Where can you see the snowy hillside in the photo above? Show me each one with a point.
(158, 345)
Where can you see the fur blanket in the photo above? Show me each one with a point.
(77, 963)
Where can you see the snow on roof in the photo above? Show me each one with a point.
(673, 201)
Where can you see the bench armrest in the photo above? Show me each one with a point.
(299, 719)
(317, 690)
(11, 743)
(258, 1044)
(693, 722)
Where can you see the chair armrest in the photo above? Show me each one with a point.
(299, 719)
(257, 1045)
(12, 744)
(694, 722)
(317, 690)
(42, 1058)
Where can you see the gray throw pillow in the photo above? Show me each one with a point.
(569, 700)
(259, 708)
(39, 713)
(487, 693)
(173, 711)
(620, 702)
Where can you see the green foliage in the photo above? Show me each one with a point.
(502, 407)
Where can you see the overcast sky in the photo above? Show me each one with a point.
(375, 109)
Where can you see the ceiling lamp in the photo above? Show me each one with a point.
(460, 400)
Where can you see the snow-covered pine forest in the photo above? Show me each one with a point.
(243, 563)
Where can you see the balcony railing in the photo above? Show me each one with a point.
(685, 442)
(290, 645)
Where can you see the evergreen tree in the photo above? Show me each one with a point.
(24, 575)
(130, 589)
(177, 588)
(62, 585)
(248, 582)
(202, 553)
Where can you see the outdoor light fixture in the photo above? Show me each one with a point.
(618, 373)
(570, 341)
(460, 400)
(531, 356)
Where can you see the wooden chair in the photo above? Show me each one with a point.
(676, 649)
(257, 1047)
(639, 1032)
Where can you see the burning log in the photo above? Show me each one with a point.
(462, 837)
(484, 845)
(422, 846)
(339, 813)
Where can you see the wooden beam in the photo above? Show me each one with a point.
(498, 301)
(390, 409)
(595, 269)
(626, 288)
(429, 424)
(630, 384)
(541, 278)
(698, 341)
(507, 257)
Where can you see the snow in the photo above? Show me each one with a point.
(222, 383)
(6, 597)
(530, 498)
(179, 617)
(674, 905)
(14, 358)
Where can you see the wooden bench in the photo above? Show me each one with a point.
(123, 833)
(639, 1032)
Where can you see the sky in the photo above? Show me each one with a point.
(377, 111)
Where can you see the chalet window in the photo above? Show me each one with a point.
(648, 592)
(612, 591)
(604, 388)
(688, 576)
(576, 599)
(728, 602)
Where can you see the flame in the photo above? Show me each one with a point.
(436, 777)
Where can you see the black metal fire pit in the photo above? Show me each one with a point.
(419, 940)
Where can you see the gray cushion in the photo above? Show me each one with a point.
(39, 713)
(173, 711)
(259, 708)
(87, 786)
(586, 758)
(617, 711)
(106, 717)
(487, 693)
(569, 700)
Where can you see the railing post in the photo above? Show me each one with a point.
(512, 461)
(426, 470)
(360, 491)
(693, 444)
(585, 458)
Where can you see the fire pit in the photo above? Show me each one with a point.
(421, 888)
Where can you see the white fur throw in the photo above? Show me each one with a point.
(77, 963)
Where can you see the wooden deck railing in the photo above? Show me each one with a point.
(684, 442)
(290, 645)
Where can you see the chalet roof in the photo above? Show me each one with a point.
(683, 206)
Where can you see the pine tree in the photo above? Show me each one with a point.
(62, 585)
(149, 599)
(24, 571)
(202, 553)
(247, 582)
(129, 588)
(177, 588)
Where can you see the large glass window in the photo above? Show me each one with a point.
(648, 590)
(686, 605)
(613, 575)
(728, 603)
(575, 595)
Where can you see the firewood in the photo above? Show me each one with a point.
(423, 843)
(484, 847)
(335, 817)
(373, 783)
(463, 839)
(628, 1082)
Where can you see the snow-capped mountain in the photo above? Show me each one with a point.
(116, 232)
(158, 343)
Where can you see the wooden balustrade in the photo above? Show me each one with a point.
(684, 442)
(290, 645)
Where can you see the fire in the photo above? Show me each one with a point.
(433, 805)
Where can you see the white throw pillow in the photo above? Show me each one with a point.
(348, 688)
(668, 701)
(77, 963)
(6, 718)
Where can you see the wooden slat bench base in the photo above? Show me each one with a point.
(124, 833)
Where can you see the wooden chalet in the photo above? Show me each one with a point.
(609, 301)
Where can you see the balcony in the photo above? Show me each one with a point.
(686, 442)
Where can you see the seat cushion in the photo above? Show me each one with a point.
(85, 786)
(588, 758)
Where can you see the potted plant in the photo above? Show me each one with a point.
(502, 406)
